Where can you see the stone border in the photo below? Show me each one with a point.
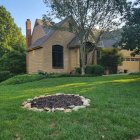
(27, 104)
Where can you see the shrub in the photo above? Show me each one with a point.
(134, 73)
(42, 73)
(5, 75)
(78, 70)
(23, 79)
(110, 59)
(96, 70)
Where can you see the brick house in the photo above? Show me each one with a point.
(52, 51)
(56, 51)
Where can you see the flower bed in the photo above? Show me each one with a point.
(56, 102)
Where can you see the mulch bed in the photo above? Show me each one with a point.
(57, 101)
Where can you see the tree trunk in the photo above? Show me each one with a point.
(82, 70)
(82, 58)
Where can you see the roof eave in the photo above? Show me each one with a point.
(35, 48)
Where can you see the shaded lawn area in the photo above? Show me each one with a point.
(114, 113)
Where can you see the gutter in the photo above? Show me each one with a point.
(35, 48)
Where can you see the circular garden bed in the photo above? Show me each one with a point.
(56, 102)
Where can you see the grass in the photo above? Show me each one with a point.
(114, 113)
(20, 79)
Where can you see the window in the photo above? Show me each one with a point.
(136, 59)
(128, 59)
(132, 59)
(57, 56)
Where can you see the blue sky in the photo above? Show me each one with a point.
(24, 9)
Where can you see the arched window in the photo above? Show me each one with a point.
(57, 56)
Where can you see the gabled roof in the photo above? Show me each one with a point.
(106, 41)
(48, 30)
(75, 42)
(109, 39)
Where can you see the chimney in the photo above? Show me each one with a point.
(28, 33)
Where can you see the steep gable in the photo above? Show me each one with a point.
(45, 32)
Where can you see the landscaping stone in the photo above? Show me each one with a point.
(27, 105)
(67, 110)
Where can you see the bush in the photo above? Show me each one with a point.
(78, 70)
(23, 79)
(5, 75)
(42, 73)
(96, 70)
(134, 73)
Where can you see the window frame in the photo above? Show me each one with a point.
(56, 52)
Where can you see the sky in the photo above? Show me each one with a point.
(25, 9)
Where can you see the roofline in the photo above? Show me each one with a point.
(35, 48)
(61, 23)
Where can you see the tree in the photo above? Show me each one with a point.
(12, 44)
(14, 61)
(86, 15)
(131, 30)
(110, 59)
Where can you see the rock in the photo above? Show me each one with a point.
(72, 106)
(29, 100)
(52, 110)
(35, 98)
(78, 107)
(76, 95)
(41, 96)
(60, 109)
(24, 103)
(67, 110)
(28, 105)
(86, 102)
(59, 93)
(47, 109)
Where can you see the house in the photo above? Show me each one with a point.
(52, 51)
(57, 51)
(129, 63)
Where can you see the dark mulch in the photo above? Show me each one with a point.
(57, 101)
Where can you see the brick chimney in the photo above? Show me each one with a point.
(28, 33)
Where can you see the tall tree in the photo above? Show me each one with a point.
(131, 30)
(87, 15)
(12, 44)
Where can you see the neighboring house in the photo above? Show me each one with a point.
(52, 51)
(129, 63)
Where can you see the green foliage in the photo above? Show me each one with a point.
(5, 75)
(14, 61)
(23, 79)
(110, 59)
(94, 70)
(12, 44)
(78, 70)
(134, 73)
(131, 36)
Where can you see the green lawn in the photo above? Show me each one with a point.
(114, 113)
